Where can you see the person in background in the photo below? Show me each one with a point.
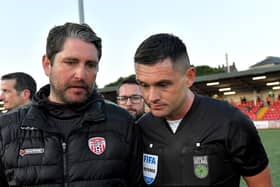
(130, 97)
(69, 136)
(268, 100)
(17, 89)
(190, 139)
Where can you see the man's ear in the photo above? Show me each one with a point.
(26, 94)
(46, 64)
(190, 76)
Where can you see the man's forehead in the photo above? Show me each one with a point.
(69, 49)
(130, 88)
(7, 82)
(157, 77)
(157, 81)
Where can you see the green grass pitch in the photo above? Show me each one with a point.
(270, 139)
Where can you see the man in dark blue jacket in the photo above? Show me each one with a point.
(69, 136)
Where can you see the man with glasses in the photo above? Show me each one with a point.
(130, 97)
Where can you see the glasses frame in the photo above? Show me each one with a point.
(134, 99)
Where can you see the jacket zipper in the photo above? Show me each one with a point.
(65, 173)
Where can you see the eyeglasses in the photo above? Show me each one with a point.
(134, 99)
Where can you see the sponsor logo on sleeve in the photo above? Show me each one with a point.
(201, 168)
(150, 167)
(97, 145)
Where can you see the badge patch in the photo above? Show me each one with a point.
(200, 164)
(97, 145)
(31, 151)
(150, 166)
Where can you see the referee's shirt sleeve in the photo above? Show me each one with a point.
(245, 146)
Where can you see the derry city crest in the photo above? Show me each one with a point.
(97, 145)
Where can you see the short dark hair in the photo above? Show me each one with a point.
(59, 34)
(128, 80)
(23, 81)
(159, 47)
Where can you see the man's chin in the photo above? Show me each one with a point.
(158, 113)
(132, 112)
(76, 100)
(6, 107)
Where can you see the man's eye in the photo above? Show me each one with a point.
(163, 84)
(93, 65)
(144, 85)
(136, 97)
(70, 62)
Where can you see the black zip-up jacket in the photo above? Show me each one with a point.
(104, 149)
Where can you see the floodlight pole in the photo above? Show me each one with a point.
(81, 11)
(228, 68)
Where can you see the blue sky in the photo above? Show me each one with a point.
(248, 30)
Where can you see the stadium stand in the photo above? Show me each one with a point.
(273, 112)
(258, 111)
(254, 84)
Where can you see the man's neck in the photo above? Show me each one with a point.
(184, 109)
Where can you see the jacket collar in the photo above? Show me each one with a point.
(37, 116)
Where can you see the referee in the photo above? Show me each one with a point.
(189, 139)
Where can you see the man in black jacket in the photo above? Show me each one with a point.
(69, 136)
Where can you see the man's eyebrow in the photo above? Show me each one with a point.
(77, 59)
(70, 58)
(165, 81)
(141, 82)
(93, 61)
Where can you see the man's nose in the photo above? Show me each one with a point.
(128, 102)
(80, 72)
(1, 96)
(153, 94)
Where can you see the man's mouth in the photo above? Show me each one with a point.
(77, 88)
(156, 107)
